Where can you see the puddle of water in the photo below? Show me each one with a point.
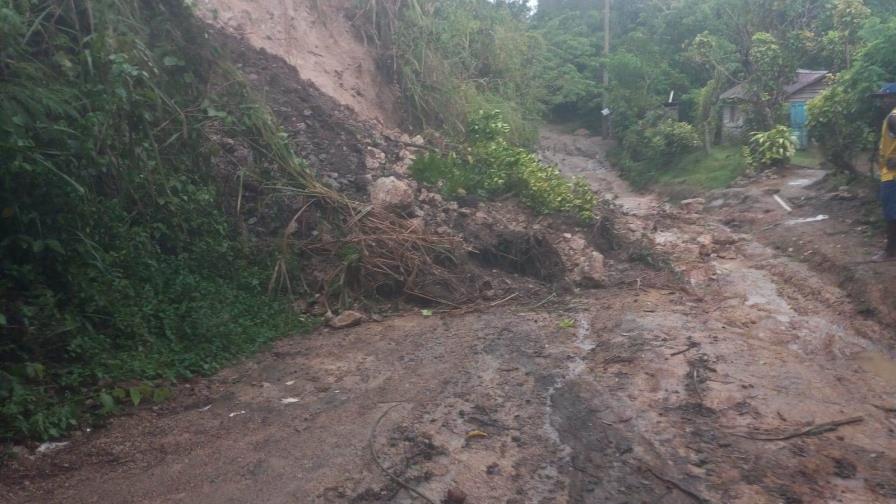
(800, 182)
(879, 365)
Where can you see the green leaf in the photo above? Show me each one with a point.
(172, 61)
(426, 313)
(107, 402)
(136, 395)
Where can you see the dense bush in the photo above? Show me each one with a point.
(489, 165)
(769, 149)
(670, 139)
(654, 145)
(118, 259)
(844, 120)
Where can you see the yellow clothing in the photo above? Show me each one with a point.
(887, 150)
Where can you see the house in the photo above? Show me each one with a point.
(807, 85)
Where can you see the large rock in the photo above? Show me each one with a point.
(346, 319)
(391, 193)
(591, 271)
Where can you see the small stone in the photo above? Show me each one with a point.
(390, 192)
(455, 496)
(694, 205)
(374, 159)
(349, 318)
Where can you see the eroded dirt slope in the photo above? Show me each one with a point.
(317, 39)
(710, 383)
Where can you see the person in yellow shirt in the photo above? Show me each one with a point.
(887, 167)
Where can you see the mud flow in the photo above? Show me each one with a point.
(737, 374)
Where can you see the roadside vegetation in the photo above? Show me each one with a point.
(122, 266)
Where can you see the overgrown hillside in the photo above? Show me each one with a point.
(124, 256)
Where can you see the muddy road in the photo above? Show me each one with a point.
(750, 379)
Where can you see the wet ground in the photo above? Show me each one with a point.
(719, 387)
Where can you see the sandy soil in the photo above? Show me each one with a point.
(714, 388)
(315, 37)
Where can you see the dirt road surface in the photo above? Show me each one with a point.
(720, 387)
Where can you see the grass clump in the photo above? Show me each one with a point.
(488, 166)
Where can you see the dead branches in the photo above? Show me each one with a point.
(369, 251)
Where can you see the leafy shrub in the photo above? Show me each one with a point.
(660, 139)
(768, 149)
(671, 139)
(652, 146)
(489, 166)
(843, 119)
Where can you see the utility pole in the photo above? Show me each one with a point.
(605, 122)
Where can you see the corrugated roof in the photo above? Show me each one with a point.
(803, 78)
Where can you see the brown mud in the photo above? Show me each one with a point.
(712, 380)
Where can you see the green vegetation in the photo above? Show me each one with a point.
(773, 148)
(700, 48)
(453, 59)
(689, 174)
(490, 166)
(698, 172)
(808, 158)
(119, 249)
(844, 120)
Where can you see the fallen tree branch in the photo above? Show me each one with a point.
(814, 430)
(379, 464)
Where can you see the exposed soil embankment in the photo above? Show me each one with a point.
(318, 40)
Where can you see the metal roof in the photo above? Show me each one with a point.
(803, 78)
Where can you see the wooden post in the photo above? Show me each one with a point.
(605, 120)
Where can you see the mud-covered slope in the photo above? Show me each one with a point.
(317, 38)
